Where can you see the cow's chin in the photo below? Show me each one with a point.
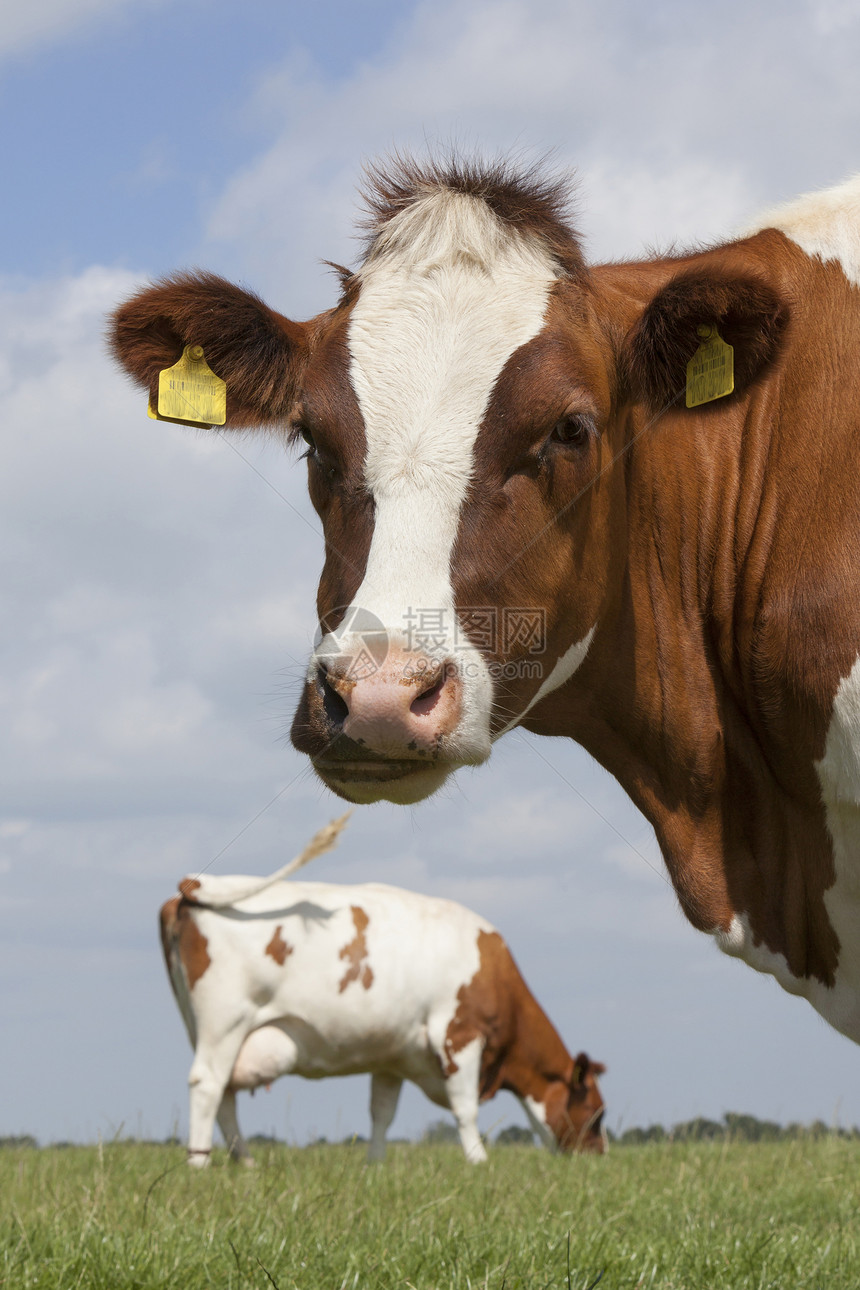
(401, 782)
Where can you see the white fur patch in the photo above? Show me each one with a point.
(839, 775)
(447, 295)
(536, 1111)
(739, 943)
(462, 1092)
(825, 224)
(563, 670)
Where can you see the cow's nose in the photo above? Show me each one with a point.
(399, 710)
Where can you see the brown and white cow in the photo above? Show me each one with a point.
(497, 433)
(312, 979)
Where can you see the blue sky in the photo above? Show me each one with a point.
(157, 585)
(122, 128)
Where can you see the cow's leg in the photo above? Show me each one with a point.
(208, 1079)
(384, 1092)
(229, 1126)
(461, 1086)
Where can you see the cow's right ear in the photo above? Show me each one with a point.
(581, 1067)
(257, 352)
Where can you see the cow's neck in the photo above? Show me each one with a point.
(702, 692)
(530, 1058)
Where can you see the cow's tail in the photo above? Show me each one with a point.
(220, 891)
(170, 921)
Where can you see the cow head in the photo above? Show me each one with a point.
(466, 410)
(574, 1108)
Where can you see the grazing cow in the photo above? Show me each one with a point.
(308, 978)
(531, 527)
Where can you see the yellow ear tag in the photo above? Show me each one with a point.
(711, 370)
(190, 392)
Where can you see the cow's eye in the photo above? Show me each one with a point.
(308, 438)
(572, 430)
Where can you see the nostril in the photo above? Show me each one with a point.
(427, 700)
(335, 708)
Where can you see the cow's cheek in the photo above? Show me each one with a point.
(347, 536)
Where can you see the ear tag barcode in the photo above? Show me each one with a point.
(711, 370)
(190, 392)
(174, 421)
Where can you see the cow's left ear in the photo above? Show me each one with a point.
(747, 312)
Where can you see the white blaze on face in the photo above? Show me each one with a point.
(447, 295)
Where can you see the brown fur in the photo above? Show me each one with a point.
(522, 1050)
(278, 948)
(259, 353)
(748, 314)
(355, 952)
(329, 410)
(180, 932)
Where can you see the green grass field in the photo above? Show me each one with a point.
(672, 1215)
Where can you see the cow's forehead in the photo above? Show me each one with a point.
(448, 293)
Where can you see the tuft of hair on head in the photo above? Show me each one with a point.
(529, 197)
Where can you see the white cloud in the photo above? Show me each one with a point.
(40, 22)
(14, 828)
(629, 207)
(832, 17)
(679, 129)
(108, 609)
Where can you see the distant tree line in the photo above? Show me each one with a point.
(445, 1131)
(733, 1126)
